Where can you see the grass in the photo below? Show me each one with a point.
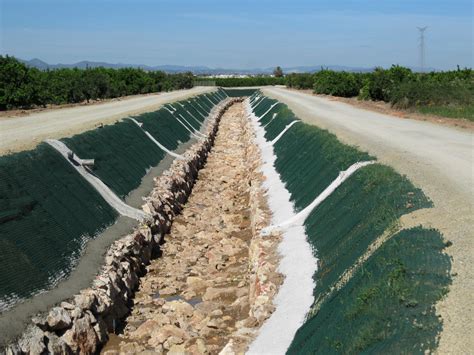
(465, 112)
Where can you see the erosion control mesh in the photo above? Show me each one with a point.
(164, 128)
(387, 306)
(48, 212)
(341, 229)
(122, 154)
(239, 92)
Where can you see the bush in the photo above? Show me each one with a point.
(300, 80)
(261, 80)
(342, 84)
(382, 82)
(448, 93)
(25, 87)
(432, 93)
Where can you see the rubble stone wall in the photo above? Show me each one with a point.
(81, 324)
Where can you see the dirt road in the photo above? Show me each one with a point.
(440, 160)
(21, 133)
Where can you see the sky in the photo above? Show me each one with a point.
(239, 34)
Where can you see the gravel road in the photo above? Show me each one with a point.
(438, 159)
(21, 133)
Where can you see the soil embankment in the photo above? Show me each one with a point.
(212, 288)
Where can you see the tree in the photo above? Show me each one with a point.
(278, 72)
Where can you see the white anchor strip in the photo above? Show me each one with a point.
(184, 125)
(300, 217)
(277, 138)
(267, 111)
(162, 147)
(107, 194)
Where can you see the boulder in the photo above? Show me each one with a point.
(213, 293)
(32, 341)
(196, 284)
(180, 308)
(160, 335)
(58, 318)
(81, 338)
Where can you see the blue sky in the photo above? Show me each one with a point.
(239, 34)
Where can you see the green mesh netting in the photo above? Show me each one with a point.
(387, 307)
(351, 218)
(48, 212)
(122, 154)
(188, 120)
(354, 215)
(239, 92)
(164, 128)
(309, 159)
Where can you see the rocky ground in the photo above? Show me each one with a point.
(213, 285)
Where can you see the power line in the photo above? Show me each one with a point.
(422, 47)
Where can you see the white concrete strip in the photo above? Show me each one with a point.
(202, 108)
(300, 218)
(297, 263)
(190, 114)
(273, 117)
(162, 147)
(277, 138)
(190, 125)
(182, 123)
(258, 103)
(267, 111)
(108, 195)
(198, 110)
(212, 103)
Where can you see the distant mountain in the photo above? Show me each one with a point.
(198, 70)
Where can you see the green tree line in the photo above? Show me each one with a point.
(25, 87)
(260, 80)
(449, 93)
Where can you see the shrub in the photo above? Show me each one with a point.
(432, 93)
(300, 80)
(337, 83)
(24, 87)
(382, 82)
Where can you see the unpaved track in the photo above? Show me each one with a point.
(438, 159)
(21, 133)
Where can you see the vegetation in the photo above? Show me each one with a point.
(448, 93)
(260, 80)
(300, 80)
(25, 87)
(278, 72)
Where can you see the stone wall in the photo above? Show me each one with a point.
(81, 324)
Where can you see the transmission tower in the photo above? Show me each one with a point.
(422, 47)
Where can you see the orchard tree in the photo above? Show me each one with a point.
(278, 72)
